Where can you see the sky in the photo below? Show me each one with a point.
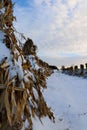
(57, 27)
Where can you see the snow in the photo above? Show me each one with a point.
(67, 97)
(19, 71)
(4, 51)
(25, 125)
(33, 62)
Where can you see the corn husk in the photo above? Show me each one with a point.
(18, 100)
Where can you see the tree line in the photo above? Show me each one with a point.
(75, 70)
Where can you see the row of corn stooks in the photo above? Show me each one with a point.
(80, 71)
(22, 77)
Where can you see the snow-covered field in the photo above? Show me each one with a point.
(67, 97)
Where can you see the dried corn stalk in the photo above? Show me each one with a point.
(21, 96)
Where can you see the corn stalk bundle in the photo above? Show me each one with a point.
(22, 78)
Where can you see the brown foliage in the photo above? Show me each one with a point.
(18, 101)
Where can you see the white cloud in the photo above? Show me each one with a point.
(72, 3)
(56, 28)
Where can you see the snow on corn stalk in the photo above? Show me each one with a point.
(22, 77)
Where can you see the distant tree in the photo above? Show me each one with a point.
(86, 65)
(70, 70)
(81, 66)
(63, 68)
(75, 70)
(81, 69)
(53, 67)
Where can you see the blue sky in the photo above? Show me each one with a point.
(57, 27)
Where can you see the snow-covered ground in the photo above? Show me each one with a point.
(67, 97)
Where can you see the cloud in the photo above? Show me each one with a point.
(56, 27)
(72, 3)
